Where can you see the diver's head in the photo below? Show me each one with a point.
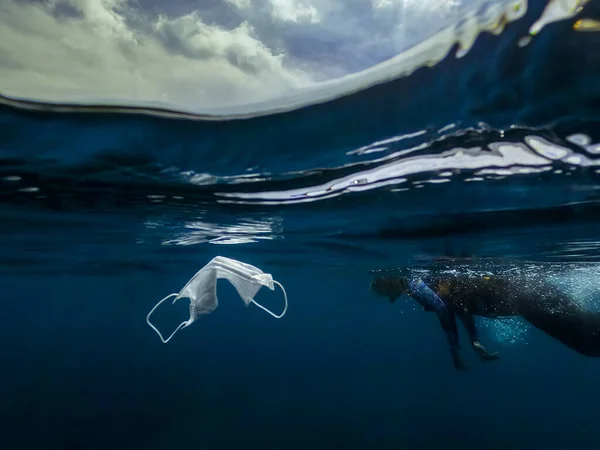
(390, 286)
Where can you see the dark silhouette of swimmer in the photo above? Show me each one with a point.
(540, 303)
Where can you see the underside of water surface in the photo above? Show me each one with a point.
(470, 155)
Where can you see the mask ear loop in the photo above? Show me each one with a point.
(284, 299)
(181, 325)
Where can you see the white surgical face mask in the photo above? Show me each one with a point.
(202, 289)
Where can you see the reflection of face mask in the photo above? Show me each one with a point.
(202, 289)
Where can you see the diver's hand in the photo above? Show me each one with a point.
(483, 353)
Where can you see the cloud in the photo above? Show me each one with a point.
(242, 4)
(195, 40)
(295, 11)
(201, 56)
(94, 52)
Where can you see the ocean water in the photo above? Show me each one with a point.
(489, 161)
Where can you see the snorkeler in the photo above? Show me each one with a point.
(466, 295)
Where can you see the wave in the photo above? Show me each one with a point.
(458, 33)
(508, 109)
(504, 139)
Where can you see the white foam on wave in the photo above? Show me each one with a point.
(555, 11)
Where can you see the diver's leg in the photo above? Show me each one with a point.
(468, 321)
(448, 323)
(562, 317)
(579, 331)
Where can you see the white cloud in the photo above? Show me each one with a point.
(99, 56)
(204, 42)
(242, 4)
(295, 11)
(101, 15)
(415, 19)
(430, 6)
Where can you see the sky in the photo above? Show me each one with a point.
(200, 54)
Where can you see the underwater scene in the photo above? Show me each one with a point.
(291, 225)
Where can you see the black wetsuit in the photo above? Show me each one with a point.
(543, 305)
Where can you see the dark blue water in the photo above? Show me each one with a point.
(489, 160)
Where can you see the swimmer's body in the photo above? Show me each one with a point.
(465, 296)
